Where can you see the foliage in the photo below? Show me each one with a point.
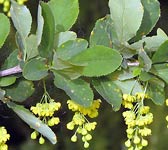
(120, 59)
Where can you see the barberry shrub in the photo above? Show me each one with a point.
(120, 61)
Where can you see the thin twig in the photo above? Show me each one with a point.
(17, 69)
(10, 71)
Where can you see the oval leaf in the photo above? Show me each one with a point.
(127, 16)
(98, 61)
(33, 122)
(150, 18)
(6, 81)
(21, 18)
(78, 90)
(156, 91)
(161, 55)
(35, 69)
(4, 28)
(65, 13)
(109, 91)
(103, 32)
(71, 48)
(20, 91)
(47, 41)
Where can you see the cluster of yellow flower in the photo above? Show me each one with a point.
(137, 118)
(6, 5)
(4, 136)
(79, 119)
(45, 111)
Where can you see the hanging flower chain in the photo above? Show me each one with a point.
(136, 118)
(45, 110)
(4, 136)
(79, 119)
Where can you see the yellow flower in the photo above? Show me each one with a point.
(4, 136)
(137, 117)
(79, 119)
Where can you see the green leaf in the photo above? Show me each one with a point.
(109, 91)
(145, 76)
(31, 47)
(11, 60)
(2, 94)
(127, 16)
(71, 48)
(155, 90)
(4, 28)
(47, 41)
(40, 25)
(129, 86)
(63, 37)
(65, 13)
(21, 18)
(161, 55)
(144, 60)
(123, 74)
(20, 91)
(161, 70)
(150, 18)
(98, 61)
(35, 69)
(78, 90)
(33, 122)
(103, 33)
(6, 81)
(67, 69)
(151, 43)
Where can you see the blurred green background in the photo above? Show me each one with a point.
(110, 131)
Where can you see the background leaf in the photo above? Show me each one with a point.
(4, 28)
(98, 61)
(129, 86)
(47, 41)
(40, 25)
(63, 37)
(71, 48)
(155, 90)
(2, 94)
(78, 90)
(11, 60)
(35, 69)
(161, 55)
(103, 33)
(33, 122)
(21, 18)
(150, 18)
(151, 43)
(65, 13)
(20, 91)
(144, 60)
(161, 70)
(31, 47)
(109, 91)
(127, 16)
(6, 81)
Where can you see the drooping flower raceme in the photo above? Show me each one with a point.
(45, 110)
(4, 136)
(137, 118)
(80, 122)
